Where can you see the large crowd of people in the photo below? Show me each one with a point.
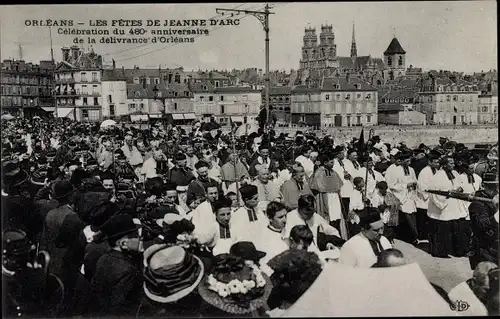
(129, 222)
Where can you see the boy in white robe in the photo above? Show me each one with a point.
(219, 235)
(249, 220)
(402, 182)
(271, 238)
(422, 201)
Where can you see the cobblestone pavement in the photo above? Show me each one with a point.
(445, 272)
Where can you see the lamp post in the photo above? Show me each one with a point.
(263, 17)
(157, 97)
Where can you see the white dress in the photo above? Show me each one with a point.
(357, 251)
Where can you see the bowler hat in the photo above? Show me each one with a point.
(247, 251)
(62, 189)
(119, 226)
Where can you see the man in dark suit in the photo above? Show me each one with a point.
(117, 282)
(484, 223)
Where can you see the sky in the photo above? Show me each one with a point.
(454, 35)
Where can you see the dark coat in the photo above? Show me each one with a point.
(93, 252)
(24, 290)
(484, 227)
(291, 193)
(64, 240)
(188, 306)
(116, 285)
(180, 177)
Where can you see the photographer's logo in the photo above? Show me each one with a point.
(460, 306)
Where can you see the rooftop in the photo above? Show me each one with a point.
(394, 48)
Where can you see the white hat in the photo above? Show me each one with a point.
(181, 188)
(169, 219)
(394, 151)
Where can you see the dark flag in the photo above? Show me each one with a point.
(262, 118)
(361, 145)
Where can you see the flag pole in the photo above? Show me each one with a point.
(370, 135)
(234, 165)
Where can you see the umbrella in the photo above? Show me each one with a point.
(108, 123)
(246, 129)
(344, 291)
(7, 117)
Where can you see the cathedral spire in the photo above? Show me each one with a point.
(354, 51)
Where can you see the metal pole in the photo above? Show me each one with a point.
(263, 17)
(235, 169)
(370, 135)
(267, 79)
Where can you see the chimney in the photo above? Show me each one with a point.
(74, 52)
(65, 54)
(114, 64)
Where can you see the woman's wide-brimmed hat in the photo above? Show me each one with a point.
(230, 306)
(171, 273)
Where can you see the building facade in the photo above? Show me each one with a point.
(280, 101)
(399, 115)
(114, 94)
(487, 109)
(448, 101)
(237, 104)
(339, 102)
(78, 88)
(26, 88)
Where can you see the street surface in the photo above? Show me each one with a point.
(443, 272)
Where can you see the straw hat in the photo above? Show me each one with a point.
(171, 273)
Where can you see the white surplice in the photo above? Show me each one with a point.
(398, 185)
(469, 188)
(357, 251)
(424, 183)
(249, 230)
(440, 207)
(371, 184)
(347, 188)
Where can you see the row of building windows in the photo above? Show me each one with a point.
(8, 101)
(83, 77)
(280, 99)
(337, 109)
(449, 98)
(26, 90)
(133, 107)
(211, 98)
(397, 100)
(339, 97)
(446, 108)
(42, 80)
(442, 88)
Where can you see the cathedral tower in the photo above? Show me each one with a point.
(354, 50)
(309, 49)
